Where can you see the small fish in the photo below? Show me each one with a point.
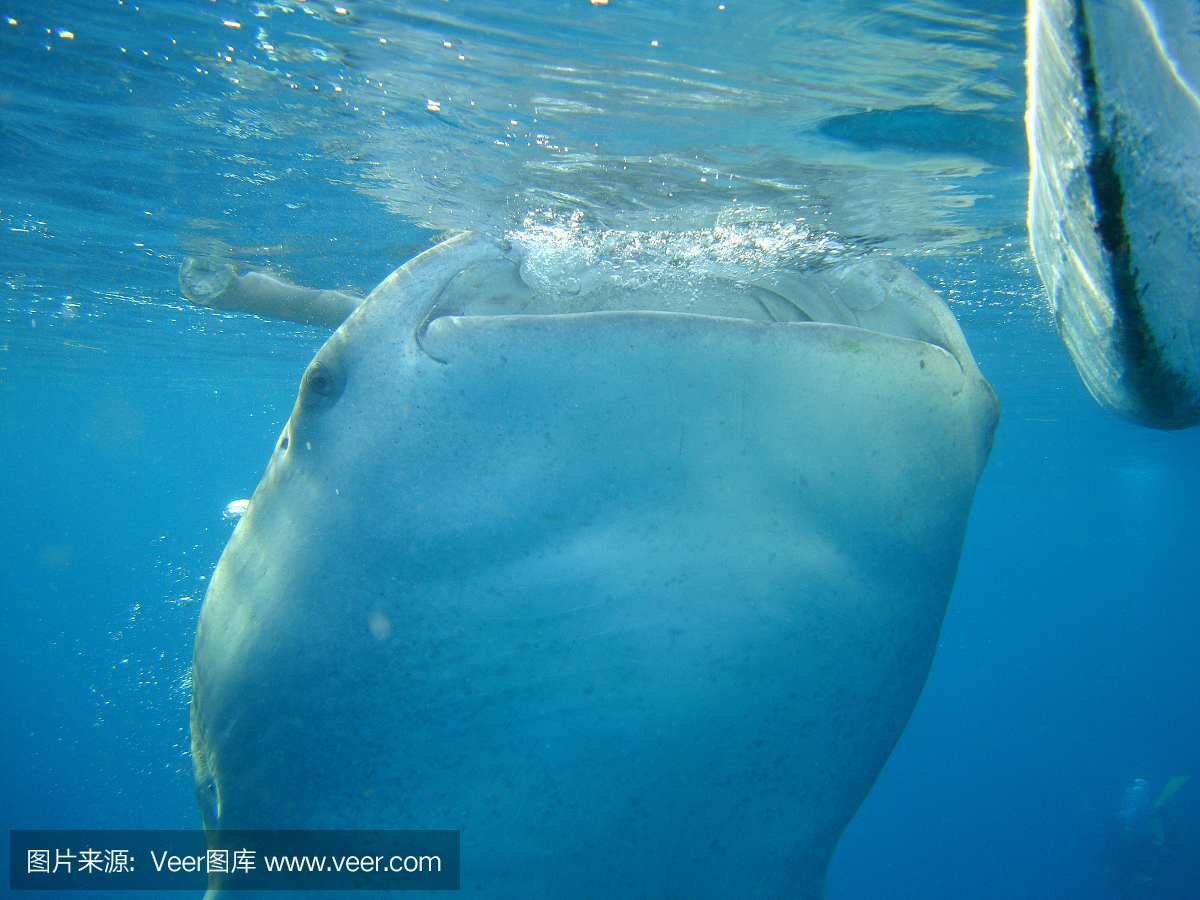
(80, 346)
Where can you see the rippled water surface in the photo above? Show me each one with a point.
(328, 142)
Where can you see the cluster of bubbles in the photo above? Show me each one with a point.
(565, 257)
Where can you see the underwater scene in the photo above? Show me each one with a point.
(682, 448)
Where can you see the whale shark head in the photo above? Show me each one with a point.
(633, 580)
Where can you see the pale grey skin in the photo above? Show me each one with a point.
(640, 601)
(1114, 196)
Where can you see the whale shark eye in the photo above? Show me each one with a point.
(318, 380)
(321, 387)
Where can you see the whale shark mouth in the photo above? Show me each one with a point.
(795, 279)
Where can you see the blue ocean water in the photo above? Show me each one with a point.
(330, 142)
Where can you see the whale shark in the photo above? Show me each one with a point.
(637, 595)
